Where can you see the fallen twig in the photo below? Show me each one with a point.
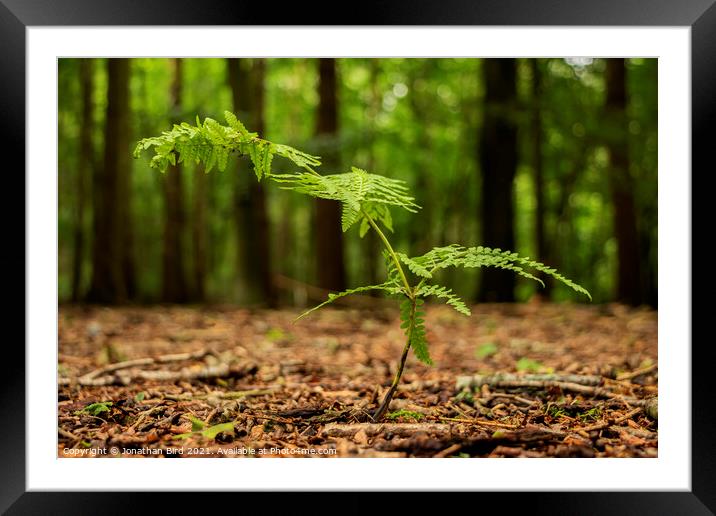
(179, 357)
(68, 435)
(186, 373)
(450, 450)
(478, 422)
(270, 417)
(608, 423)
(143, 415)
(230, 395)
(372, 429)
(527, 380)
(638, 372)
(530, 433)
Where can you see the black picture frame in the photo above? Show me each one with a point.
(17, 15)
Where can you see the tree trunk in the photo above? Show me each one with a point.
(420, 235)
(199, 237)
(112, 268)
(247, 85)
(330, 267)
(124, 169)
(174, 284)
(625, 224)
(371, 245)
(498, 164)
(84, 171)
(537, 166)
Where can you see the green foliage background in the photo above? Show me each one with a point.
(416, 120)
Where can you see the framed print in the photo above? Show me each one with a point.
(167, 298)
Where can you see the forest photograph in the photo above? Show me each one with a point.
(357, 257)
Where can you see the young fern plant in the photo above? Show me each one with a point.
(366, 201)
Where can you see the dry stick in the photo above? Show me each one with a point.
(147, 413)
(541, 384)
(178, 357)
(272, 418)
(494, 379)
(90, 379)
(478, 422)
(212, 371)
(448, 451)
(638, 372)
(68, 435)
(373, 429)
(231, 395)
(211, 414)
(508, 396)
(538, 430)
(456, 409)
(605, 424)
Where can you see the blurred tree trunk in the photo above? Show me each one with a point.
(199, 237)
(113, 278)
(247, 85)
(330, 272)
(84, 172)
(537, 165)
(370, 244)
(124, 170)
(625, 224)
(498, 164)
(174, 283)
(421, 105)
(559, 250)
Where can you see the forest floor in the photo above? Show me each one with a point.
(523, 380)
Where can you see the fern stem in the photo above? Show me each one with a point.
(386, 243)
(378, 414)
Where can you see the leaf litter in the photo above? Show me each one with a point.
(531, 380)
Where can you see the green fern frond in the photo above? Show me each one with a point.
(389, 287)
(441, 292)
(390, 268)
(350, 215)
(415, 267)
(211, 143)
(378, 212)
(358, 190)
(299, 158)
(412, 322)
(235, 123)
(458, 256)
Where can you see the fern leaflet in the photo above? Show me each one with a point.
(360, 193)
(389, 287)
(444, 293)
(211, 143)
(412, 322)
(458, 256)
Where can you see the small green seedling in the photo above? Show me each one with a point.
(486, 349)
(528, 365)
(95, 409)
(593, 414)
(199, 427)
(366, 200)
